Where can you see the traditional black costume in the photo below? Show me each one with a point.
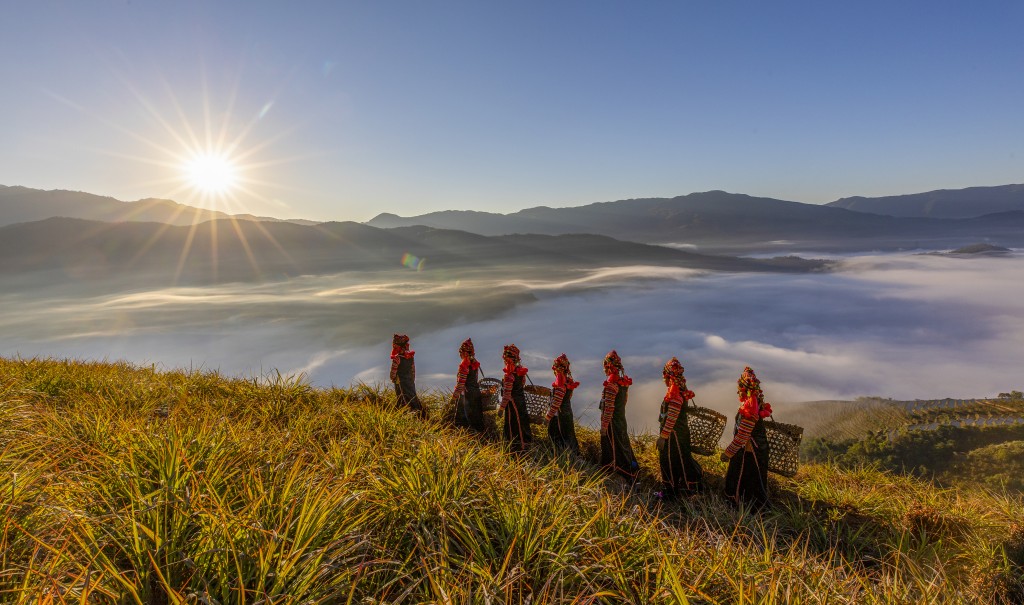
(403, 374)
(561, 427)
(747, 477)
(680, 473)
(516, 417)
(468, 405)
(616, 450)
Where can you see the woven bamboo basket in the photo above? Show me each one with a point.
(706, 428)
(783, 447)
(490, 393)
(538, 400)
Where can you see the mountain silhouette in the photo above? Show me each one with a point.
(22, 204)
(944, 203)
(718, 218)
(59, 250)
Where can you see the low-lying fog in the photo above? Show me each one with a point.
(907, 327)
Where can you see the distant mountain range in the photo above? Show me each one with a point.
(22, 204)
(714, 220)
(729, 220)
(61, 250)
(944, 203)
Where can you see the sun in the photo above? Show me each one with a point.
(211, 174)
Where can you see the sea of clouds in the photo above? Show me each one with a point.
(901, 326)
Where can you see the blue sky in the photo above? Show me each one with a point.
(346, 109)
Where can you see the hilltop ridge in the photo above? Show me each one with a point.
(23, 204)
(218, 251)
(721, 220)
(971, 202)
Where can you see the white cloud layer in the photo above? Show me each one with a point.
(900, 326)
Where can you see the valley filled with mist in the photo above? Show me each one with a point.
(893, 325)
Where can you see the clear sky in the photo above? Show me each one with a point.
(341, 110)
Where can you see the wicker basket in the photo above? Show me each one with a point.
(490, 393)
(783, 447)
(706, 428)
(538, 401)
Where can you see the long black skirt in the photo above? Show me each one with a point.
(746, 481)
(562, 428)
(680, 473)
(516, 424)
(616, 450)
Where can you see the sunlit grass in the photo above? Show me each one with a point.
(131, 485)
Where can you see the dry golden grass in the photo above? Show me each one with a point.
(121, 484)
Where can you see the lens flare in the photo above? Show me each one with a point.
(211, 173)
(413, 262)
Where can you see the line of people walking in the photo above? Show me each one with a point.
(746, 479)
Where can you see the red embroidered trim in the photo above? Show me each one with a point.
(611, 389)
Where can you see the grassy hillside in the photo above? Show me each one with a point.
(129, 485)
(977, 444)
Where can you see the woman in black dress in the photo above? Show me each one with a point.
(466, 401)
(516, 418)
(616, 451)
(746, 480)
(403, 374)
(561, 428)
(680, 473)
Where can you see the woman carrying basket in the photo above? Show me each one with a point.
(403, 375)
(616, 451)
(747, 478)
(516, 417)
(680, 473)
(466, 401)
(561, 428)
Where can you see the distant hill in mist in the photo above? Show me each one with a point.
(22, 204)
(721, 218)
(62, 249)
(713, 220)
(944, 203)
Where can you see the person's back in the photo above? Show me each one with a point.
(403, 374)
(516, 417)
(616, 450)
(746, 479)
(467, 405)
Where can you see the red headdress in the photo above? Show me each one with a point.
(563, 375)
(400, 346)
(469, 363)
(673, 371)
(561, 365)
(513, 364)
(612, 360)
(613, 368)
(753, 405)
(675, 381)
(511, 353)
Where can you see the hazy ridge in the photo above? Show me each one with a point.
(714, 220)
(22, 204)
(721, 220)
(226, 250)
(971, 202)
